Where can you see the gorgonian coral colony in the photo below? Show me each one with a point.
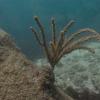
(57, 48)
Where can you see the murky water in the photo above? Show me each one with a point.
(16, 16)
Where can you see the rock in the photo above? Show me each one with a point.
(16, 71)
(20, 79)
(78, 74)
(87, 94)
(84, 94)
(6, 40)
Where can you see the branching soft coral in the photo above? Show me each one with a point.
(57, 48)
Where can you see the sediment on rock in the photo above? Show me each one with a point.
(20, 79)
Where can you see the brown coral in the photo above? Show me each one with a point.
(64, 45)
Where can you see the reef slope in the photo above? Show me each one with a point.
(18, 75)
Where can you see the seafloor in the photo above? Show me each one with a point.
(79, 69)
(77, 73)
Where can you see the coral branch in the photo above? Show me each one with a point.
(75, 47)
(41, 28)
(53, 30)
(70, 39)
(36, 35)
(60, 44)
(43, 38)
(58, 48)
(53, 47)
(65, 29)
(86, 38)
(39, 24)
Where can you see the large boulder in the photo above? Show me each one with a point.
(20, 79)
(78, 73)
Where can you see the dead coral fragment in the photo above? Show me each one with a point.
(58, 48)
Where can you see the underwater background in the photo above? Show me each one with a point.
(16, 16)
(80, 69)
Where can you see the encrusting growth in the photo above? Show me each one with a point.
(59, 47)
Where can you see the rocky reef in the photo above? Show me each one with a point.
(20, 79)
(78, 73)
(73, 75)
